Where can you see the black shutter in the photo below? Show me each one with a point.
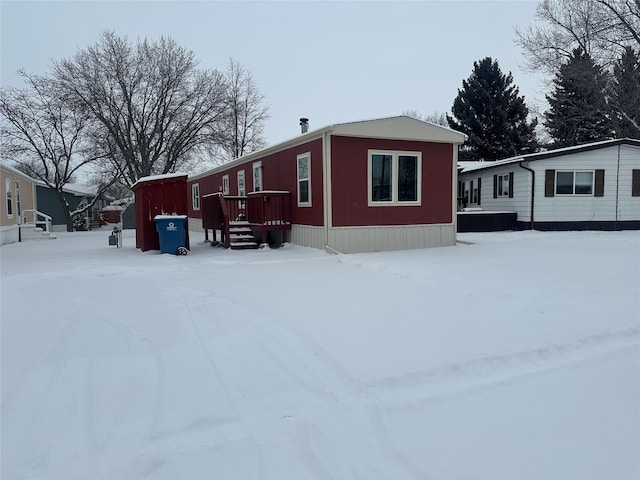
(510, 184)
(495, 186)
(635, 183)
(479, 190)
(549, 183)
(598, 191)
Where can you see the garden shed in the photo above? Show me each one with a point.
(374, 185)
(157, 195)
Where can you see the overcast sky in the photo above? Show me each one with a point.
(332, 62)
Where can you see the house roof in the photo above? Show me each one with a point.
(401, 127)
(15, 171)
(473, 166)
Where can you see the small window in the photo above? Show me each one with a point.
(304, 179)
(195, 196)
(7, 185)
(635, 183)
(18, 207)
(225, 184)
(503, 185)
(394, 178)
(241, 188)
(257, 177)
(574, 183)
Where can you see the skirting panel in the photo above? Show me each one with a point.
(307, 236)
(386, 238)
(9, 234)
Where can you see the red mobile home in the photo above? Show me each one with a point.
(385, 184)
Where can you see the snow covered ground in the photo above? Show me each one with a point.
(517, 356)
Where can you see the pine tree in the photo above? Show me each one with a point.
(625, 95)
(489, 110)
(578, 111)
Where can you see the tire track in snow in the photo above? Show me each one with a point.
(310, 418)
(411, 387)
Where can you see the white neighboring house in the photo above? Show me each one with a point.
(594, 186)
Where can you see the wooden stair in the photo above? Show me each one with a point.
(240, 236)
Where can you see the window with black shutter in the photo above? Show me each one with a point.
(635, 183)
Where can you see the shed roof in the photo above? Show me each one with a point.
(473, 166)
(155, 178)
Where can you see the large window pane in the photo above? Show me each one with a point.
(564, 183)
(584, 183)
(381, 178)
(407, 178)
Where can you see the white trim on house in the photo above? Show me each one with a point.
(400, 127)
(257, 176)
(242, 186)
(395, 179)
(225, 184)
(195, 196)
(303, 156)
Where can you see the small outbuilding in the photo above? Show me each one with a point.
(594, 186)
(157, 195)
(375, 185)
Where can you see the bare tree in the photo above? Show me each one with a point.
(45, 138)
(242, 131)
(438, 118)
(600, 28)
(153, 108)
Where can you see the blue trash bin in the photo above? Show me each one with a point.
(172, 233)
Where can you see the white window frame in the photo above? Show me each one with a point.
(258, 179)
(304, 156)
(242, 186)
(8, 197)
(574, 194)
(502, 179)
(18, 206)
(225, 184)
(395, 154)
(195, 196)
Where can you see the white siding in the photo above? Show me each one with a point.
(578, 208)
(628, 206)
(521, 201)
(307, 236)
(385, 238)
(617, 204)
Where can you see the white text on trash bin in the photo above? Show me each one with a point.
(171, 227)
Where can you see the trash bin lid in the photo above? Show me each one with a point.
(169, 217)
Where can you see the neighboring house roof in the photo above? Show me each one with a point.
(73, 188)
(401, 127)
(17, 172)
(473, 166)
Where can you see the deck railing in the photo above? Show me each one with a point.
(38, 219)
(269, 208)
(263, 211)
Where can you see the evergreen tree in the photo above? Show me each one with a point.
(578, 111)
(625, 95)
(489, 110)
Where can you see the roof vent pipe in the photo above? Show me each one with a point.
(304, 125)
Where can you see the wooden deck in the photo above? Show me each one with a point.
(246, 221)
